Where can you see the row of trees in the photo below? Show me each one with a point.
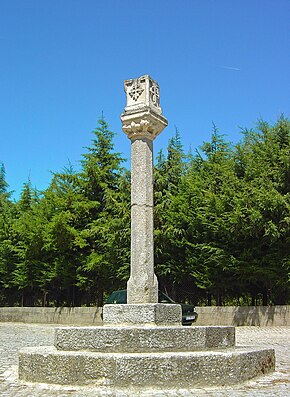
(222, 224)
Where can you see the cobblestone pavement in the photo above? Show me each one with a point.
(14, 336)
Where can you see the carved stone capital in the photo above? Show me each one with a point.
(142, 117)
(142, 92)
(143, 124)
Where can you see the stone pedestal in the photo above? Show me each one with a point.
(134, 358)
(143, 314)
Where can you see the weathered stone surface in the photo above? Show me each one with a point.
(142, 178)
(175, 370)
(144, 339)
(244, 315)
(142, 314)
(142, 92)
(52, 315)
(142, 121)
(143, 124)
(143, 115)
(142, 286)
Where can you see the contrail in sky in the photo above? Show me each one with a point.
(229, 68)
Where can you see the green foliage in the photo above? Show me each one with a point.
(221, 218)
(3, 183)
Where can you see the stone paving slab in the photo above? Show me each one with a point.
(14, 336)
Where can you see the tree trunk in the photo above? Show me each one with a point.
(209, 299)
(218, 299)
(100, 297)
(253, 300)
(265, 298)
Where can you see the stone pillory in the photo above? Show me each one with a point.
(142, 344)
(142, 121)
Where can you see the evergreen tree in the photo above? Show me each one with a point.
(7, 243)
(262, 210)
(28, 197)
(169, 254)
(100, 182)
(3, 183)
(201, 209)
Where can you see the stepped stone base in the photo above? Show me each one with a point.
(143, 339)
(158, 353)
(170, 369)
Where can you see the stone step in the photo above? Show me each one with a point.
(159, 370)
(143, 339)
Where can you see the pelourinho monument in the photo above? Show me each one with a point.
(142, 344)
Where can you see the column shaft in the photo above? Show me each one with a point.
(142, 286)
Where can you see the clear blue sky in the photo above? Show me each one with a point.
(63, 62)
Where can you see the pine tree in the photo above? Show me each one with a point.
(262, 210)
(168, 252)
(200, 210)
(7, 242)
(100, 178)
(3, 183)
(28, 197)
(100, 166)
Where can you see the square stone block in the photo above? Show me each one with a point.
(142, 314)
